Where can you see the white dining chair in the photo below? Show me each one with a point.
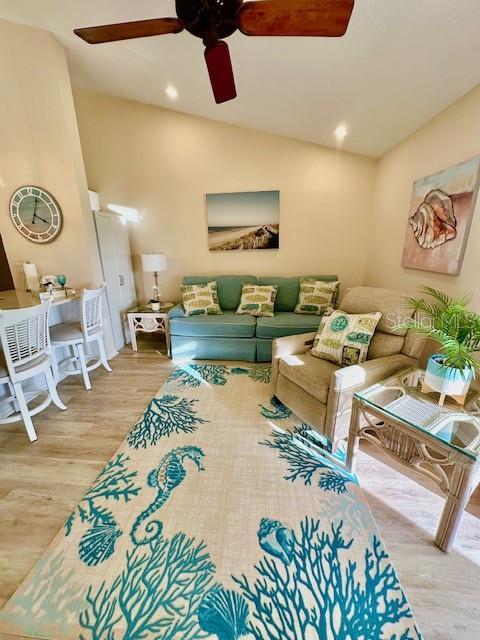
(78, 335)
(26, 353)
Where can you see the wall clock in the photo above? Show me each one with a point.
(36, 214)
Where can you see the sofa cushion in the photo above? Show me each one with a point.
(384, 344)
(257, 300)
(344, 338)
(370, 299)
(286, 324)
(228, 325)
(316, 296)
(288, 289)
(310, 374)
(229, 288)
(201, 299)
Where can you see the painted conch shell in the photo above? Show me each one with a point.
(434, 221)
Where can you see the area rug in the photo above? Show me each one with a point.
(218, 517)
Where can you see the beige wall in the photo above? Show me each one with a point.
(39, 144)
(163, 163)
(340, 213)
(451, 137)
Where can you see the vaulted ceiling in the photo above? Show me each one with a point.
(401, 62)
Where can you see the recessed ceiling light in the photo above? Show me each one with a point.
(171, 92)
(341, 132)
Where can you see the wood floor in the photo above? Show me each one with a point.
(40, 484)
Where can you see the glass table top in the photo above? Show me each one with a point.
(400, 397)
(146, 308)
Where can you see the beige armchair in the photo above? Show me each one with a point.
(320, 392)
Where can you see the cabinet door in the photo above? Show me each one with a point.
(128, 298)
(114, 299)
(114, 248)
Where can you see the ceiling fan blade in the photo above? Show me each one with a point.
(129, 30)
(220, 71)
(294, 18)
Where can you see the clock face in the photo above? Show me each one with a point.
(36, 214)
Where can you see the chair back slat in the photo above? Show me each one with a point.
(24, 335)
(92, 310)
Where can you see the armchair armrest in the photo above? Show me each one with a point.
(289, 346)
(347, 381)
(176, 312)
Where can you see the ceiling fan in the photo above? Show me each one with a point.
(214, 20)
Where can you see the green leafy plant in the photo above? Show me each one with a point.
(449, 322)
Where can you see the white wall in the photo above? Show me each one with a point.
(164, 163)
(448, 139)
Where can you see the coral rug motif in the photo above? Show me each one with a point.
(220, 518)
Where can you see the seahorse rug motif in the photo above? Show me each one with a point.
(220, 517)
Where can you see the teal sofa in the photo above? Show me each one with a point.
(239, 337)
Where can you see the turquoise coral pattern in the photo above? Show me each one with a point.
(156, 595)
(308, 588)
(114, 483)
(195, 375)
(164, 417)
(305, 460)
(276, 410)
(221, 517)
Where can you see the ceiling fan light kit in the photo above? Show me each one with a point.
(214, 20)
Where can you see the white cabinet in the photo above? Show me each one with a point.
(114, 247)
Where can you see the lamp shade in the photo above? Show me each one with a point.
(152, 262)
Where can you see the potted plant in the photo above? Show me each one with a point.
(456, 329)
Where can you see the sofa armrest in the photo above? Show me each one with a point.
(176, 312)
(348, 380)
(289, 346)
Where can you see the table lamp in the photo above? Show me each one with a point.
(154, 263)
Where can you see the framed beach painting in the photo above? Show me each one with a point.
(440, 216)
(243, 221)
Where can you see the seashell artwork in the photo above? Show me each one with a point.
(276, 540)
(440, 218)
(224, 613)
(98, 543)
(434, 221)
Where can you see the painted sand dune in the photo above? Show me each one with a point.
(265, 236)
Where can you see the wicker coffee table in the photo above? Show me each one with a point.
(439, 443)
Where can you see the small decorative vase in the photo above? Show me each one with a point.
(155, 306)
(62, 280)
(448, 381)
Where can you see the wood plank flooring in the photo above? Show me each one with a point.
(40, 484)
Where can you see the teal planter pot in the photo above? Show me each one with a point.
(448, 381)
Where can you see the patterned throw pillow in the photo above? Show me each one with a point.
(344, 338)
(201, 299)
(258, 300)
(315, 296)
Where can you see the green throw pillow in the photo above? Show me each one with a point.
(258, 300)
(344, 338)
(201, 299)
(315, 296)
